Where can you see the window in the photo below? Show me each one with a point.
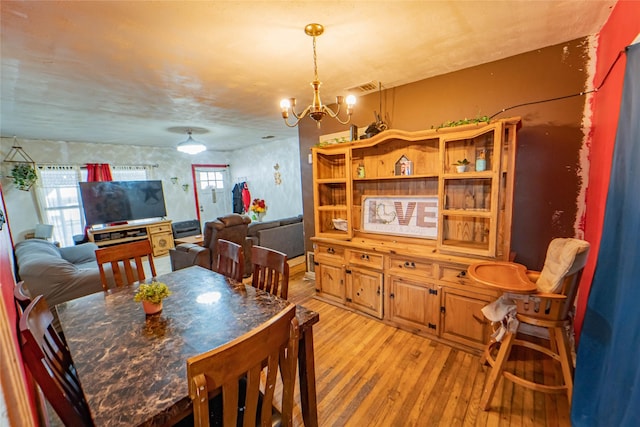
(211, 179)
(59, 201)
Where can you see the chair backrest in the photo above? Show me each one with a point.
(232, 227)
(556, 307)
(229, 260)
(270, 271)
(121, 257)
(21, 300)
(273, 343)
(49, 362)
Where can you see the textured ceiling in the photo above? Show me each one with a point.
(139, 73)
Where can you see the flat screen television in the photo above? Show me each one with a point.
(116, 202)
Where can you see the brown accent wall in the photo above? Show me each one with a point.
(548, 174)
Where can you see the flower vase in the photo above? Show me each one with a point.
(151, 308)
(260, 215)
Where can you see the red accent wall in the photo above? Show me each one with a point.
(617, 33)
(7, 283)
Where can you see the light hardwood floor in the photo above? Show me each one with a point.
(370, 374)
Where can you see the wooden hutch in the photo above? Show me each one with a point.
(396, 226)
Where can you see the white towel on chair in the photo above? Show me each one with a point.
(502, 310)
(561, 255)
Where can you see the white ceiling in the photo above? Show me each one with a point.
(139, 73)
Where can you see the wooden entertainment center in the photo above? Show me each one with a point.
(396, 225)
(158, 232)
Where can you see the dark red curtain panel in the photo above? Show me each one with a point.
(98, 172)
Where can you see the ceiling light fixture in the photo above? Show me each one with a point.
(190, 145)
(316, 110)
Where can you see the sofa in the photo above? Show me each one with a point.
(186, 228)
(59, 274)
(284, 235)
(232, 227)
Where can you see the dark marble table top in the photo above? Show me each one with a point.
(133, 367)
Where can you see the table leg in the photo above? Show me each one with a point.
(307, 374)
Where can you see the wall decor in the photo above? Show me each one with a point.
(276, 175)
(401, 215)
(404, 166)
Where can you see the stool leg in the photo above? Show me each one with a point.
(496, 371)
(562, 344)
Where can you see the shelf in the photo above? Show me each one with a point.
(108, 242)
(331, 181)
(469, 175)
(332, 208)
(476, 213)
(402, 177)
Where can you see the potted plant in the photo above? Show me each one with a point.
(151, 295)
(24, 176)
(461, 165)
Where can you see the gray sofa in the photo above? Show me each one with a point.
(284, 235)
(60, 274)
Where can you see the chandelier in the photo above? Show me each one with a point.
(190, 145)
(316, 110)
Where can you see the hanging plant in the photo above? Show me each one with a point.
(24, 176)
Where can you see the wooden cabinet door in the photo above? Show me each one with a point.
(330, 282)
(364, 290)
(462, 321)
(161, 243)
(413, 304)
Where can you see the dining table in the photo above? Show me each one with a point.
(133, 367)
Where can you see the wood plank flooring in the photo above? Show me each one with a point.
(371, 374)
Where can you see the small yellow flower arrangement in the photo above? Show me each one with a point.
(153, 292)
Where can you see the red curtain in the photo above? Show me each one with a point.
(98, 172)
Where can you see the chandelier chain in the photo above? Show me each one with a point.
(315, 59)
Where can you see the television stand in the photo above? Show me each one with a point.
(157, 232)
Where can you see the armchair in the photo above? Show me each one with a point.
(232, 227)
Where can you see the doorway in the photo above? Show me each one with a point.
(212, 189)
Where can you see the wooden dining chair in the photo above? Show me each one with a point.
(125, 256)
(233, 373)
(50, 364)
(270, 271)
(229, 260)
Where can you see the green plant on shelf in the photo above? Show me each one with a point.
(465, 121)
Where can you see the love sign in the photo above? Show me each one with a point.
(405, 216)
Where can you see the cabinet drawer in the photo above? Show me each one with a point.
(159, 228)
(404, 265)
(365, 259)
(329, 253)
(455, 273)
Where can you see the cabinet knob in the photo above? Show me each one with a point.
(391, 295)
(364, 257)
(462, 274)
(331, 250)
(409, 264)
